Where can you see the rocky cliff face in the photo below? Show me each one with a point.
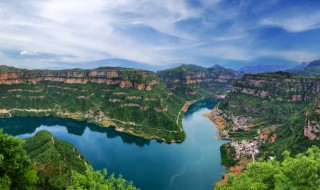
(272, 96)
(125, 78)
(278, 86)
(312, 127)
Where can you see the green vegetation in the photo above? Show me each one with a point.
(44, 147)
(54, 164)
(227, 155)
(16, 169)
(299, 172)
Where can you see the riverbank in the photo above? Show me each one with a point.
(221, 124)
(218, 120)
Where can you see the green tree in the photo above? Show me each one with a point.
(16, 169)
(300, 172)
(97, 180)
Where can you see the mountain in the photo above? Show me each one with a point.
(135, 101)
(300, 66)
(262, 69)
(312, 69)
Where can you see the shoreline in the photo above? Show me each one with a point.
(221, 124)
(219, 121)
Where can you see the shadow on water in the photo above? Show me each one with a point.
(22, 125)
(205, 103)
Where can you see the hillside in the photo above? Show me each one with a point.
(43, 147)
(269, 112)
(132, 100)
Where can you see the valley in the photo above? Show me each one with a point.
(261, 115)
(139, 102)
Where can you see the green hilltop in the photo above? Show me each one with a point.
(45, 162)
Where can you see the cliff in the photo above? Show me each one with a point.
(273, 96)
(278, 110)
(312, 124)
(279, 86)
(123, 77)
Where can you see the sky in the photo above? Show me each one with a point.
(158, 34)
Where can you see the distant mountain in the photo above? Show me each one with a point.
(301, 66)
(194, 82)
(185, 68)
(262, 69)
(311, 69)
(5, 68)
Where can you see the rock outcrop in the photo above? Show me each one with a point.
(125, 78)
(271, 96)
(312, 128)
(279, 86)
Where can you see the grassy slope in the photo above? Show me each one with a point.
(44, 147)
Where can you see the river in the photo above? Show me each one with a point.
(150, 164)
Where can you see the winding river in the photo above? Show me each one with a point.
(150, 164)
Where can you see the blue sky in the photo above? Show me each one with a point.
(157, 34)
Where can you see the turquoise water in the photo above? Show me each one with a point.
(150, 164)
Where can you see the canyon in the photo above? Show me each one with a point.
(139, 102)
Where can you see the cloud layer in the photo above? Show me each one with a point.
(71, 33)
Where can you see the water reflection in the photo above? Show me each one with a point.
(18, 126)
(193, 164)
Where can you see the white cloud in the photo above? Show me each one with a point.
(29, 52)
(80, 31)
(144, 31)
(294, 22)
